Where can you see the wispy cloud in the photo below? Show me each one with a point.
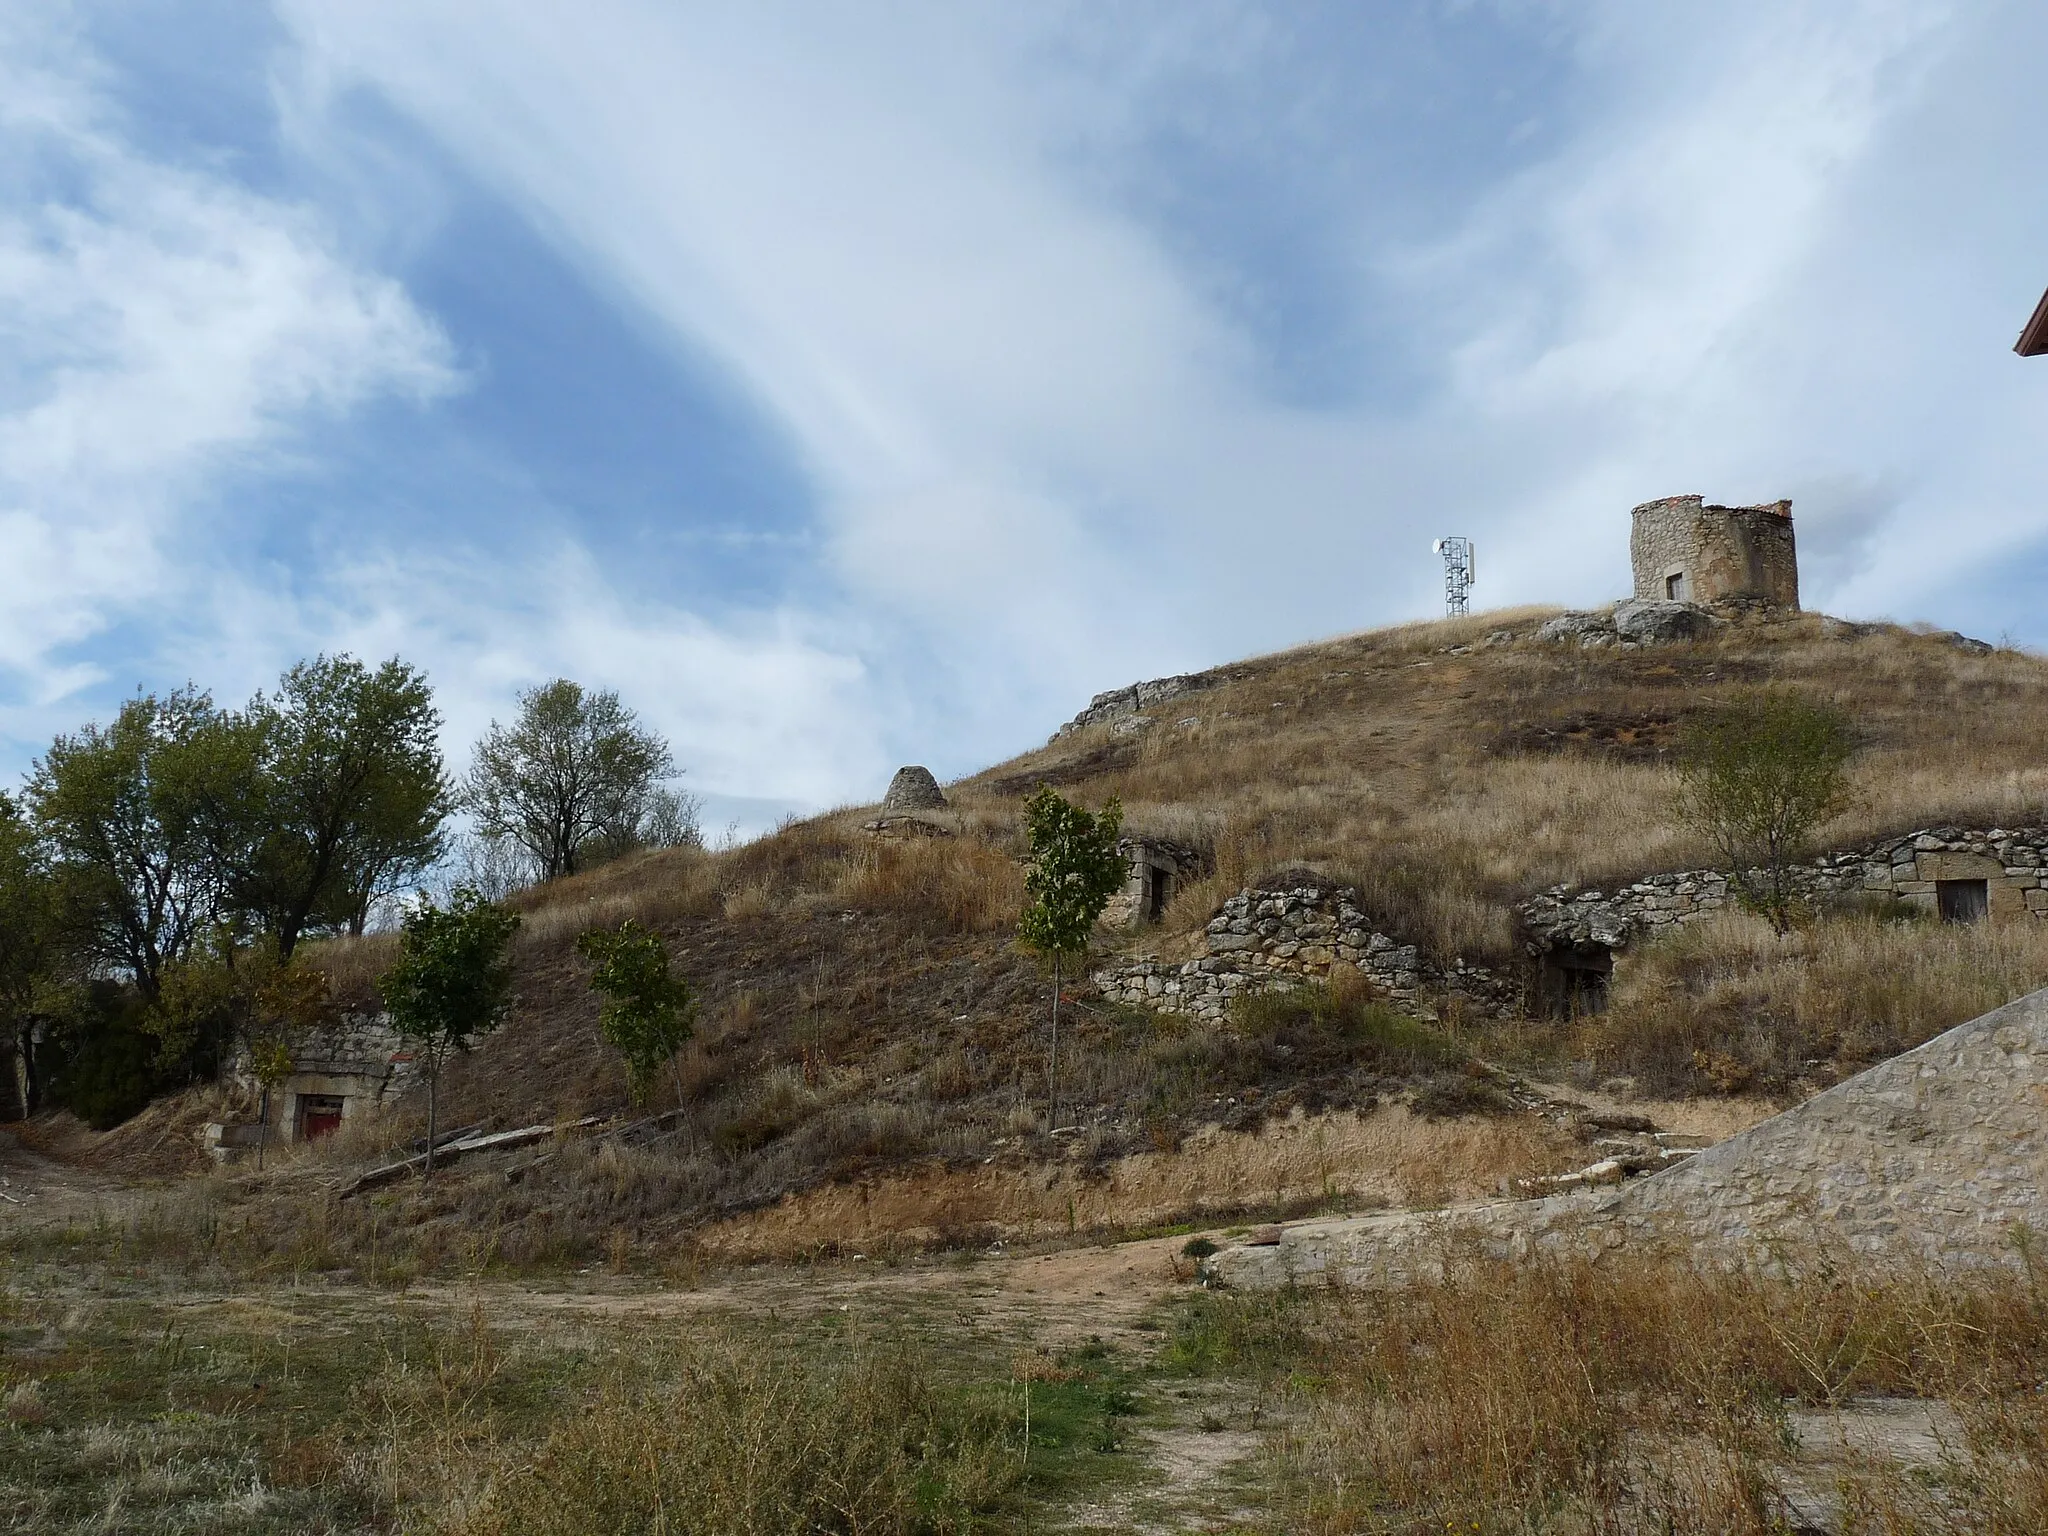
(163, 326)
(1102, 340)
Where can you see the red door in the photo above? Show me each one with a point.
(319, 1115)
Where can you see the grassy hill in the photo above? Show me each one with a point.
(870, 1060)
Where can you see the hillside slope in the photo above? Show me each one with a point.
(867, 1022)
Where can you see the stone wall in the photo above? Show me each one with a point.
(1715, 552)
(1938, 1157)
(2011, 863)
(1264, 941)
(362, 1061)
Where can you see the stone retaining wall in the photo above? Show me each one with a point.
(1938, 1157)
(1909, 868)
(1264, 941)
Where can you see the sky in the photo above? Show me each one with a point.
(851, 385)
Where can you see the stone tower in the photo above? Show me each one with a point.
(1686, 551)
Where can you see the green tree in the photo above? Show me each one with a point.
(648, 1012)
(124, 814)
(1757, 777)
(450, 985)
(573, 775)
(1075, 869)
(349, 800)
(29, 953)
(226, 999)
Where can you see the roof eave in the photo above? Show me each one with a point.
(2033, 340)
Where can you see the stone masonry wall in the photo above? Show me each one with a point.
(2012, 863)
(1723, 552)
(1263, 941)
(1938, 1157)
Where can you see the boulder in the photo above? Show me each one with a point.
(1647, 622)
(1582, 628)
(913, 789)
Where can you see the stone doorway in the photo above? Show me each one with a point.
(1674, 587)
(1963, 901)
(1573, 979)
(319, 1115)
(1158, 892)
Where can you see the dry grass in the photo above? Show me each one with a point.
(1587, 1397)
(1447, 786)
(738, 1440)
(1725, 1005)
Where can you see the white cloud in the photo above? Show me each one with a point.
(164, 325)
(1766, 249)
(1045, 447)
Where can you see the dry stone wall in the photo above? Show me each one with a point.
(2013, 864)
(1938, 1157)
(1268, 940)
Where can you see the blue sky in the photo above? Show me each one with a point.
(858, 385)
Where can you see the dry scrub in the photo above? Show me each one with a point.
(1635, 1396)
(1725, 1005)
(1447, 785)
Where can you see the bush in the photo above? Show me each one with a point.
(1318, 1022)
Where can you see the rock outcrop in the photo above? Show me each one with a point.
(1121, 704)
(1936, 1158)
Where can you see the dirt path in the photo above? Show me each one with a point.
(39, 1190)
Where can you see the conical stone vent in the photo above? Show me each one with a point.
(913, 789)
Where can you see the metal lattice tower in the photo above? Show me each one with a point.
(1458, 572)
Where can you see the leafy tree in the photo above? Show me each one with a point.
(571, 776)
(349, 797)
(28, 947)
(124, 813)
(227, 998)
(451, 983)
(99, 1059)
(648, 1012)
(1756, 778)
(1075, 869)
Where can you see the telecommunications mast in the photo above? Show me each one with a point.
(1459, 569)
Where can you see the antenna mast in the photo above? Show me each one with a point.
(1459, 572)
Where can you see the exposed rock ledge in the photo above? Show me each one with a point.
(1938, 1157)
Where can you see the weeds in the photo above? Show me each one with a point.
(1725, 1005)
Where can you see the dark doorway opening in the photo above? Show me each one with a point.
(1158, 891)
(1573, 980)
(1963, 901)
(319, 1115)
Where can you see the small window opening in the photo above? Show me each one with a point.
(319, 1115)
(1574, 980)
(1963, 901)
(1674, 587)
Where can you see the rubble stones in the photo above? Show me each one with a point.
(1270, 940)
(913, 789)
